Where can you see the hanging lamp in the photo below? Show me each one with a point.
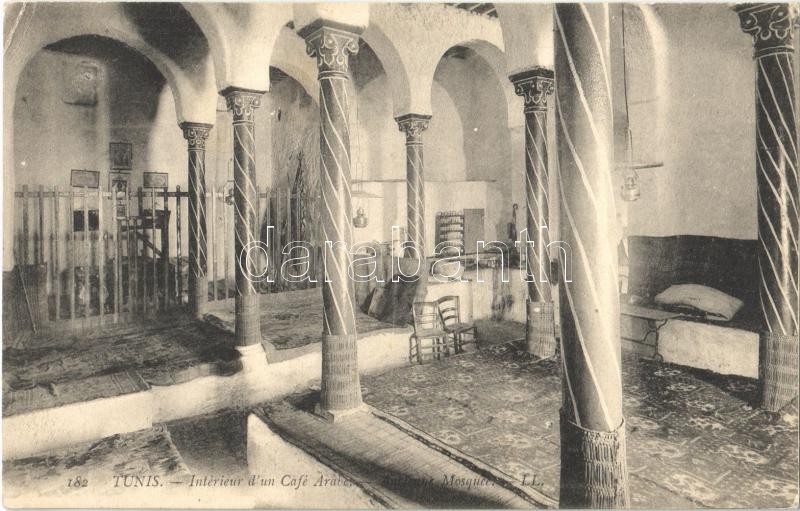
(630, 190)
(361, 220)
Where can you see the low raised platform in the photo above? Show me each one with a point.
(373, 456)
(40, 430)
(98, 474)
(714, 347)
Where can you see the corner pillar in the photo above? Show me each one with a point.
(593, 463)
(534, 85)
(772, 28)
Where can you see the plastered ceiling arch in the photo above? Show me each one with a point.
(242, 38)
(495, 58)
(393, 65)
(289, 55)
(410, 39)
(36, 31)
(527, 35)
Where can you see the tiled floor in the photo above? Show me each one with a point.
(694, 440)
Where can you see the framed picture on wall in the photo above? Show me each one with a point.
(118, 183)
(156, 180)
(121, 155)
(85, 179)
(80, 83)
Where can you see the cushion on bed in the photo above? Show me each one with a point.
(715, 303)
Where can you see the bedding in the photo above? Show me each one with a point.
(727, 265)
(716, 305)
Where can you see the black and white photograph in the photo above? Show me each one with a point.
(271, 255)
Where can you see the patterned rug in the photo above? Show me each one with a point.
(293, 319)
(53, 370)
(694, 440)
(148, 452)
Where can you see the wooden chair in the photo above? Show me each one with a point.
(429, 335)
(460, 332)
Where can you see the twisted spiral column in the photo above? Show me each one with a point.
(242, 103)
(413, 125)
(771, 26)
(196, 134)
(340, 389)
(534, 85)
(593, 464)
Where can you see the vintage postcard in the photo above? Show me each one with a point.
(400, 255)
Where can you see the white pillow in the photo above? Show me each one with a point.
(707, 299)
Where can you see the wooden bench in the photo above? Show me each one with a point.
(655, 319)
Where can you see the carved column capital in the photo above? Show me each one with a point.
(534, 85)
(771, 26)
(331, 47)
(196, 134)
(242, 103)
(413, 125)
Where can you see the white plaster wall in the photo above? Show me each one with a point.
(413, 37)
(133, 105)
(707, 184)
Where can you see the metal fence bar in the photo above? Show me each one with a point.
(165, 251)
(56, 230)
(153, 247)
(178, 270)
(25, 228)
(101, 260)
(226, 252)
(40, 235)
(85, 256)
(214, 262)
(71, 258)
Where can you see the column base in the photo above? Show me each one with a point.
(594, 471)
(197, 307)
(248, 322)
(253, 358)
(540, 332)
(778, 369)
(334, 416)
(340, 388)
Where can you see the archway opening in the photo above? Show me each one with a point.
(469, 165)
(93, 98)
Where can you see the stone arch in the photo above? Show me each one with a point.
(527, 34)
(217, 42)
(393, 65)
(289, 55)
(41, 33)
(242, 38)
(495, 58)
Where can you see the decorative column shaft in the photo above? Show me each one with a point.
(242, 103)
(534, 85)
(340, 389)
(413, 125)
(593, 465)
(771, 26)
(196, 134)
